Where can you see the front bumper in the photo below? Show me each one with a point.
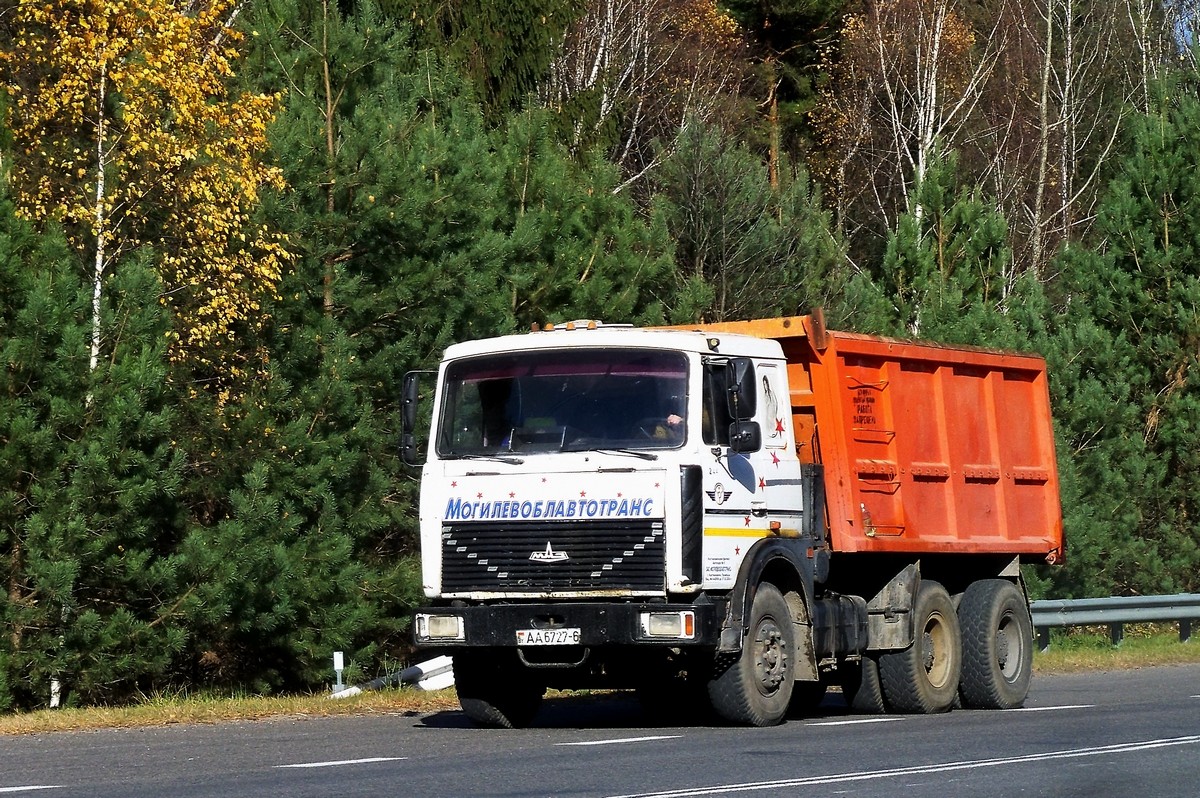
(600, 624)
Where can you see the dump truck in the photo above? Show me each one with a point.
(734, 516)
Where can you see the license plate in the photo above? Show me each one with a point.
(547, 637)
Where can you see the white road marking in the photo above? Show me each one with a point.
(852, 722)
(626, 740)
(1050, 709)
(945, 767)
(32, 787)
(340, 762)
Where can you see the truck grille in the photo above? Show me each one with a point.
(539, 557)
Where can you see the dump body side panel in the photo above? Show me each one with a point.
(927, 448)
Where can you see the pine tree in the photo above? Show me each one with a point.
(575, 248)
(504, 49)
(743, 249)
(947, 267)
(88, 477)
(1127, 340)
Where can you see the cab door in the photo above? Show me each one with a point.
(753, 477)
(777, 466)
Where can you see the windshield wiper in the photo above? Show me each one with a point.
(492, 457)
(629, 453)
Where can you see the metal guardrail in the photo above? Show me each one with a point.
(1114, 613)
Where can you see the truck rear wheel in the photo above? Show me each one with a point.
(924, 677)
(997, 645)
(494, 691)
(756, 687)
(861, 687)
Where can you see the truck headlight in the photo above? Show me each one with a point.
(677, 625)
(432, 628)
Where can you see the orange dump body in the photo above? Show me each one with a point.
(926, 448)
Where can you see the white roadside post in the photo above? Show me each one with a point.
(339, 665)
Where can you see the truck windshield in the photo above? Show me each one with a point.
(577, 400)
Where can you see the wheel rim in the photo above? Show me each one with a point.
(771, 656)
(1008, 648)
(935, 642)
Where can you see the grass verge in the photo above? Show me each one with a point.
(169, 710)
(1090, 649)
(1078, 650)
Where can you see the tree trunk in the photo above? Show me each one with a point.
(101, 232)
(1038, 212)
(16, 562)
(330, 153)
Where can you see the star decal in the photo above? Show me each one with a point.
(779, 425)
(512, 495)
(737, 550)
(747, 520)
(775, 459)
(454, 484)
(479, 495)
(583, 494)
(762, 484)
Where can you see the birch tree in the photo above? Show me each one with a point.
(907, 80)
(1053, 113)
(127, 134)
(631, 71)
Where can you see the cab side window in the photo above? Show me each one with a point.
(716, 420)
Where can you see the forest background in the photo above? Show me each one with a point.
(228, 227)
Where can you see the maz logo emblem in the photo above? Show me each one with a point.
(549, 555)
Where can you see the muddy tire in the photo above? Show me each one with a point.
(997, 635)
(861, 687)
(923, 678)
(754, 687)
(495, 692)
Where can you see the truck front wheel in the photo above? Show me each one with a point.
(997, 645)
(495, 691)
(924, 677)
(756, 687)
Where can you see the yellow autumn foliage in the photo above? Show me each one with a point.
(127, 132)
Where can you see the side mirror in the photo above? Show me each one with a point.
(743, 393)
(410, 394)
(745, 436)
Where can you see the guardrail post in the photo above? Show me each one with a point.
(1116, 632)
(1043, 637)
(1185, 631)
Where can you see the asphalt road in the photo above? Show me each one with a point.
(1095, 735)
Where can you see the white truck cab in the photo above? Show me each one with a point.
(557, 460)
